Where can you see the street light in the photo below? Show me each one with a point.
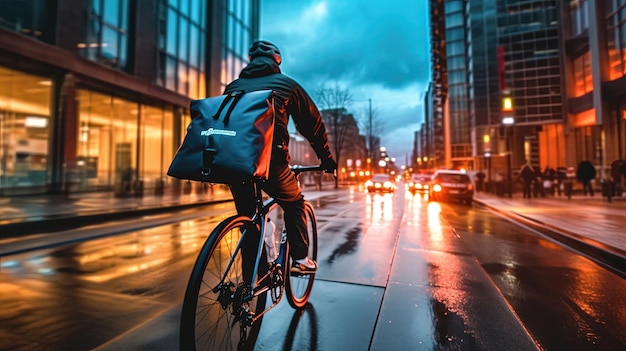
(508, 122)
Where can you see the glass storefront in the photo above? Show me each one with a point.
(156, 145)
(122, 145)
(25, 128)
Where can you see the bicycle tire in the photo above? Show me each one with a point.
(299, 286)
(205, 324)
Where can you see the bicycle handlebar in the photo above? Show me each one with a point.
(297, 169)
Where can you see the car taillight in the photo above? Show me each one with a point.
(469, 186)
(436, 188)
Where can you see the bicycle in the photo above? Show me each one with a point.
(223, 306)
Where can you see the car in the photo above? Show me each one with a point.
(380, 183)
(418, 183)
(451, 185)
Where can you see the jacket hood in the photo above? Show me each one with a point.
(260, 66)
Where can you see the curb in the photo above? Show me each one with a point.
(607, 256)
(55, 223)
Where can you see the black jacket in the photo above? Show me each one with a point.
(289, 99)
(586, 171)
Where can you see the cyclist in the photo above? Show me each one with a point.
(263, 73)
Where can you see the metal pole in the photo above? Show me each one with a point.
(369, 127)
(508, 161)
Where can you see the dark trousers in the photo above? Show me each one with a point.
(527, 188)
(587, 187)
(283, 186)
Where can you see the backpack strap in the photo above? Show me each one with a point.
(234, 96)
(238, 95)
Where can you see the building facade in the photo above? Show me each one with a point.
(94, 95)
(594, 57)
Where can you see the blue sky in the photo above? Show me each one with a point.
(376, 49)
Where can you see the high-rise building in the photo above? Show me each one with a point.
(94, 94)
(436, 114)
(457, 46)
(496, 50)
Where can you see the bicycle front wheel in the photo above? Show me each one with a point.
(299, 286)
(214, 316)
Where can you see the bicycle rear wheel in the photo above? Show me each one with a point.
(212, 317)
(299, 286)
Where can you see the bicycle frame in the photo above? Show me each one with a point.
(263, 208)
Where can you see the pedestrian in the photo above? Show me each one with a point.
(585, 173)
(616, 176)
(561, 177)
(290, 99)
(480, 181)
(538, 188)
(499, 182)
(549, 180)
(527, 174)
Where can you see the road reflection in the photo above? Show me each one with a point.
(379, 207)
(109, 258)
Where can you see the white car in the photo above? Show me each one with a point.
(380, 183)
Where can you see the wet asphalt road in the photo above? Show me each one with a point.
(395, 273)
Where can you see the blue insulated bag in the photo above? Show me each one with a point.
(228, 140)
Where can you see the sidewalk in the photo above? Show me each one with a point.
(24, 214)
(589, 224)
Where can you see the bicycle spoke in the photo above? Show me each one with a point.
(214, 299)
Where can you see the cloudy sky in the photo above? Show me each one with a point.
(375, 49)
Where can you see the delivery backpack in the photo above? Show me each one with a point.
(228, 140)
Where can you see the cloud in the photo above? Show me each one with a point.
(375, 48)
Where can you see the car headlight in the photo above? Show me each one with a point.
(369, 183)
(436, 188)
(387, 184)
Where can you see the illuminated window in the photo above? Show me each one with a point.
(583, 78)
(182, 45)
(107, 33)
(30, 18)
(237, 40)
(25, 129)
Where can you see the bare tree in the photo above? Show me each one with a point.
(370, 122)
(334, 102)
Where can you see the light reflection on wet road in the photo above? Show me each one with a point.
(396, 272)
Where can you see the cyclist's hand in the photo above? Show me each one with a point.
(329, 165)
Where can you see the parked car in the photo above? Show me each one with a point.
(418, 183)
(380, 183)
(451, 185)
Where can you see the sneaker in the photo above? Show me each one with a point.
(304, 266)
